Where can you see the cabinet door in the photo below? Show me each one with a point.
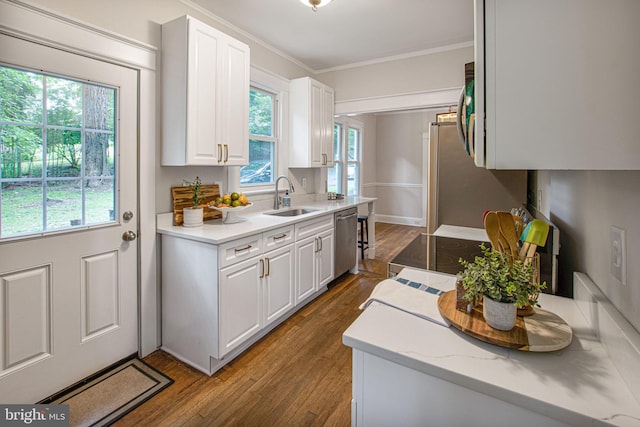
(306, 269)
(240, 303)
(324, 259)
(561, 85)
(203, 83)
(317, 124)
(277, 285)
(235, 103)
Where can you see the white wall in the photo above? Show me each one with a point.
(584, 205)
(441, 70)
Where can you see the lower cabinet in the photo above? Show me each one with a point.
(314, 257)
(253, 294)
(219, 299)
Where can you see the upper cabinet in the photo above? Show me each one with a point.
(205, 96)
(312, 107)
(560, 84)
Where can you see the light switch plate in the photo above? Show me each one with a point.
(618, 260)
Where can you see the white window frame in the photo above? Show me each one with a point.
(347, 123)
(279, 86)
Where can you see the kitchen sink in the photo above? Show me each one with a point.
(290, 212)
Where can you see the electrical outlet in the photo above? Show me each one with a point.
(618, 261)
(304, 182)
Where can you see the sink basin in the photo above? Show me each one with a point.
(290, 212)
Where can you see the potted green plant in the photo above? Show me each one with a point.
(193, 216)
(504, 284)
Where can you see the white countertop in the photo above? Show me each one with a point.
(579, 384)
(217, 232)
(459, 232)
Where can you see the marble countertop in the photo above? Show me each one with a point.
(579, 385)
(217, 232)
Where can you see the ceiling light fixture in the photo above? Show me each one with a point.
(315, 4)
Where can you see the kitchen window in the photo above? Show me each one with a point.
(344, 177)
(262, 139)
(268, 124)
(57, 153)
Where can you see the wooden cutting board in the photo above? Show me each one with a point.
(182, 198)
(541, 332)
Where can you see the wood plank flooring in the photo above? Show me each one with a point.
(298, 375)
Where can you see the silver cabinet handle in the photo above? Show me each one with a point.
(246, 248)
(129, 236)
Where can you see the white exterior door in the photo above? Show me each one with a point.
(69, 294)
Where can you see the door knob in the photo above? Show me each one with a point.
(127, 215)
(128, 236)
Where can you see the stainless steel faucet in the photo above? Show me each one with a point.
(276, 199)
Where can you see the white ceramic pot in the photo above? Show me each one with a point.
(499, 315)
(192, 217)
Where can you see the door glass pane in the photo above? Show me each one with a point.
(22, 210)
(64, 102)
(21, 100)
(64, 204)
(64, 153)
(57, 169)
(20, 151)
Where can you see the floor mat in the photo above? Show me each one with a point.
(113, 394)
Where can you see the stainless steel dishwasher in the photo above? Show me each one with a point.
(345, 253)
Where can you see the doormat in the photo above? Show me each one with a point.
(113, 394)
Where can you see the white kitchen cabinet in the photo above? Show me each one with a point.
(314, 256)
(257, 291)
(312, 109)
(240, 303)
(561, 84)
(205, 95)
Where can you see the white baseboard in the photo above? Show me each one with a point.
(401, 220)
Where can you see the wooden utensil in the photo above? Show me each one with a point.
(534, 235)
(182, 198)
(508, 230)
(492, 227)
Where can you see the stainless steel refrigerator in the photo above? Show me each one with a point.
(458, 191)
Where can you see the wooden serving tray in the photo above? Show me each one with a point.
(182, 198)
(541, 332)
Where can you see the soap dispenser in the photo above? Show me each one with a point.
(286, 199)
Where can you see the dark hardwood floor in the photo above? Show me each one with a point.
(298, 375)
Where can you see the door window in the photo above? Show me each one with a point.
(57, 153)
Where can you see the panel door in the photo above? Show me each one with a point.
(325, 259)
(240, 308)
(278, 289)
(306, 269)
(235, 104)
(203, 85)
(68, 287)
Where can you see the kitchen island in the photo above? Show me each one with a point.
(409, 370)
(226, 285)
